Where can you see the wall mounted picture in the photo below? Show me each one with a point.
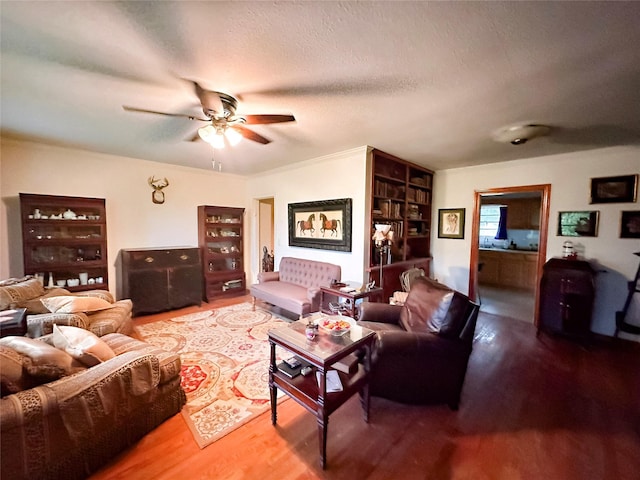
(621, 189)
(324, 224)
(451, 223)
(630, 224)
(578, 224)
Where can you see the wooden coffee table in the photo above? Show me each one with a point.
(322, 352)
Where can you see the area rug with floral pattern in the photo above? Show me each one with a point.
(225, 365)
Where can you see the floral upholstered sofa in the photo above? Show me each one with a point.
(93, 310)
(92, 405)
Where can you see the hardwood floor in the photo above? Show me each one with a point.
(532, 408)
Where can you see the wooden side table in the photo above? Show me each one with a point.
(322, 352)
(13, 322)
(332, 294)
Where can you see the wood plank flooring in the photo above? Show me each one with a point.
(532, 408)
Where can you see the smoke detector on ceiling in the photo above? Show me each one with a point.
(520, 134)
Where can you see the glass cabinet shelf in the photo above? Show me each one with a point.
(64, 237)
(220, 237)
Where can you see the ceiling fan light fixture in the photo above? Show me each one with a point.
(212, 135)
(217, 140)
(206, 133)
(520, 134)
(233, 136)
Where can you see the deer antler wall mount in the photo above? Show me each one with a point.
(157, 196)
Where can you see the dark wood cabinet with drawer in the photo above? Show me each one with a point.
(160, 279)
(567, 290)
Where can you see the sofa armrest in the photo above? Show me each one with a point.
(132, 373)
(379, 312)
(313, 294)
(42, 324)
(268, 277)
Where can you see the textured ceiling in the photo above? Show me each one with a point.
(426, 81)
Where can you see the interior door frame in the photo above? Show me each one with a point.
(545, 201)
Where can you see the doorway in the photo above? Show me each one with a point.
(508, 268)
(265, 230)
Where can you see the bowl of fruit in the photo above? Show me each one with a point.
(336, 325)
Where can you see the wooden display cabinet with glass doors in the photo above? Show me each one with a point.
(220, 238)
(65, 240)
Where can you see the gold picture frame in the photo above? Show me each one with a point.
(620, 189)
(451, 223)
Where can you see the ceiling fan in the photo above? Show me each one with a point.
(223, 124)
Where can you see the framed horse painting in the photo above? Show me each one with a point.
(325, 224)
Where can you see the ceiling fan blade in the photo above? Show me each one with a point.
(251, 135)
(262, 119)
(209, 100)
(183, 115)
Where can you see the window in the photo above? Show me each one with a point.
(489, 220)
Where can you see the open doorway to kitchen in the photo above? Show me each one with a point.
(265, 234)
(508, 249)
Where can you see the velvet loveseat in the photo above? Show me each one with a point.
(29, 293)
(295, 287)
(72, 425)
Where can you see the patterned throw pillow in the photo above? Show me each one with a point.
(71, 304)
(35, 306)
(20, 292)
(44, 361)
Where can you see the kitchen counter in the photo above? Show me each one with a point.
(504, 250)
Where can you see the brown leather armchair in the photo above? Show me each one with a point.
(423, 347)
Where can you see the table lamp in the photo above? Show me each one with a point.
(383, 238)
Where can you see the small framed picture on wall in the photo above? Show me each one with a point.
(630, 224)
(451, 223)
(620, 189)
(578, 224)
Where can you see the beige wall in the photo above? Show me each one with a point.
(132, 219)
(341, 175)
(569, 176)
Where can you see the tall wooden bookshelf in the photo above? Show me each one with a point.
(401, 195)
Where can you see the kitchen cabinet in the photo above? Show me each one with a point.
(160, 279)
(523, 213)
(64, 237)
(508, 268)
(567, 290)
(220, 237)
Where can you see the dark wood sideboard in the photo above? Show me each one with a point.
(567, 291)
(160, 279)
